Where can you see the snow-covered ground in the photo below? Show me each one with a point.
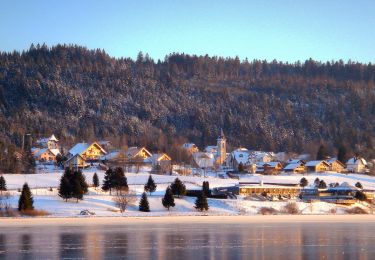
(101, 203)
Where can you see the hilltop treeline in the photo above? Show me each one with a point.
(82, 94)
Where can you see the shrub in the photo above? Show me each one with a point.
(268, 211)
(291, 208)
(356, 210)
(34, 213)
(124, 198)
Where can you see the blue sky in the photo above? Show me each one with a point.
(286, 30)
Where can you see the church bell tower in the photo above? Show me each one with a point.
(221, 148)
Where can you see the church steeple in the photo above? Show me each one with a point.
(221, 147)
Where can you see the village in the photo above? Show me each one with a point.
(241, 181)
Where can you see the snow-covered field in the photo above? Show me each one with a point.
(101, 203)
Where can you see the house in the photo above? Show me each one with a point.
(295, 168)
(317, 166)
(356, 164)
(259, 156)
(162, 160)
(135, 154)
(89, 152)
(240, 155)
(335, 165)
(190, 148)
(76, 162)
(106, 145)
(116, 157)
(296, 161)
(204, 160)
(45, 154)
(271, 189)
(269, 168)
(49, 142)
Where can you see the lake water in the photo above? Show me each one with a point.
(191, 241)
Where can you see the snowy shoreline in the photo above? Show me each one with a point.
(124, 220)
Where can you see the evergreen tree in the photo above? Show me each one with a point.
(241, 167)
(342, 154)
(206, 188)
(82, 181)
(120, 182)
(322, 185)
(77, 189)
(28, 161)
(143, 204)
(316, 182)
(168, 200)
(303, 182)
(65, 188)
(178, 188)
(201, 202)
(359, 195)
(3, 184)
(359, 185)
(150, 186)
(322, 153)
(109, 181)
(95, 180)
(26, 200)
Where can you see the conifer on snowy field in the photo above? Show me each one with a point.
(143, 204)
(95, 180)
(201, 203)
(150, 186)
(26, 201)
(178, 188)
(168, 200)
(3, 184)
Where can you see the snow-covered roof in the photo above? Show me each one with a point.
(55, 151)
(160, 156)
(111, 155)
(40, 152)
(210, 149)
(45, 140)
(204, 160)
(334, 159)
(271, 164)
(345, 186)
(315, 163)
(295, 161)
(241, 155)
(292, 166)
(189, 145)
(133, 151)
(357, 160)
(79, 148)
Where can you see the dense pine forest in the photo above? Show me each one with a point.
(80, 94)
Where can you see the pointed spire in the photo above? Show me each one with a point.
(222, 136)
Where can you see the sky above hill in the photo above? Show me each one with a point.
(286, 30)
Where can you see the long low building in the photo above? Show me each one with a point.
(269, 188)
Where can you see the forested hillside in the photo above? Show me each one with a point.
(82, 94)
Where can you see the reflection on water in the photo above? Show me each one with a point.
(191, 241)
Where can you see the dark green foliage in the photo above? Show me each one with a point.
(178, 188)
(322, 185)
(168, 200)
(26, 201)
(28, 161)
(65, 189)
(241, 167)
(359, 185)
(322, 153)
(201, 202)
(206, 188)
(143, 204)
(303, 182)
(72, 185)
(60, 159)
(150, 186)
(109, 181)
(120, 182)
(359, 195)
(342, 154)
(3, 184)
(311, 99)
(95, 180)
(316, 182)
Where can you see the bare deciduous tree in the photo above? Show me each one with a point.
(124, 198)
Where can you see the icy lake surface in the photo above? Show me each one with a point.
(191, 241)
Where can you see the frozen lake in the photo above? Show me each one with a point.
(191, 241)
